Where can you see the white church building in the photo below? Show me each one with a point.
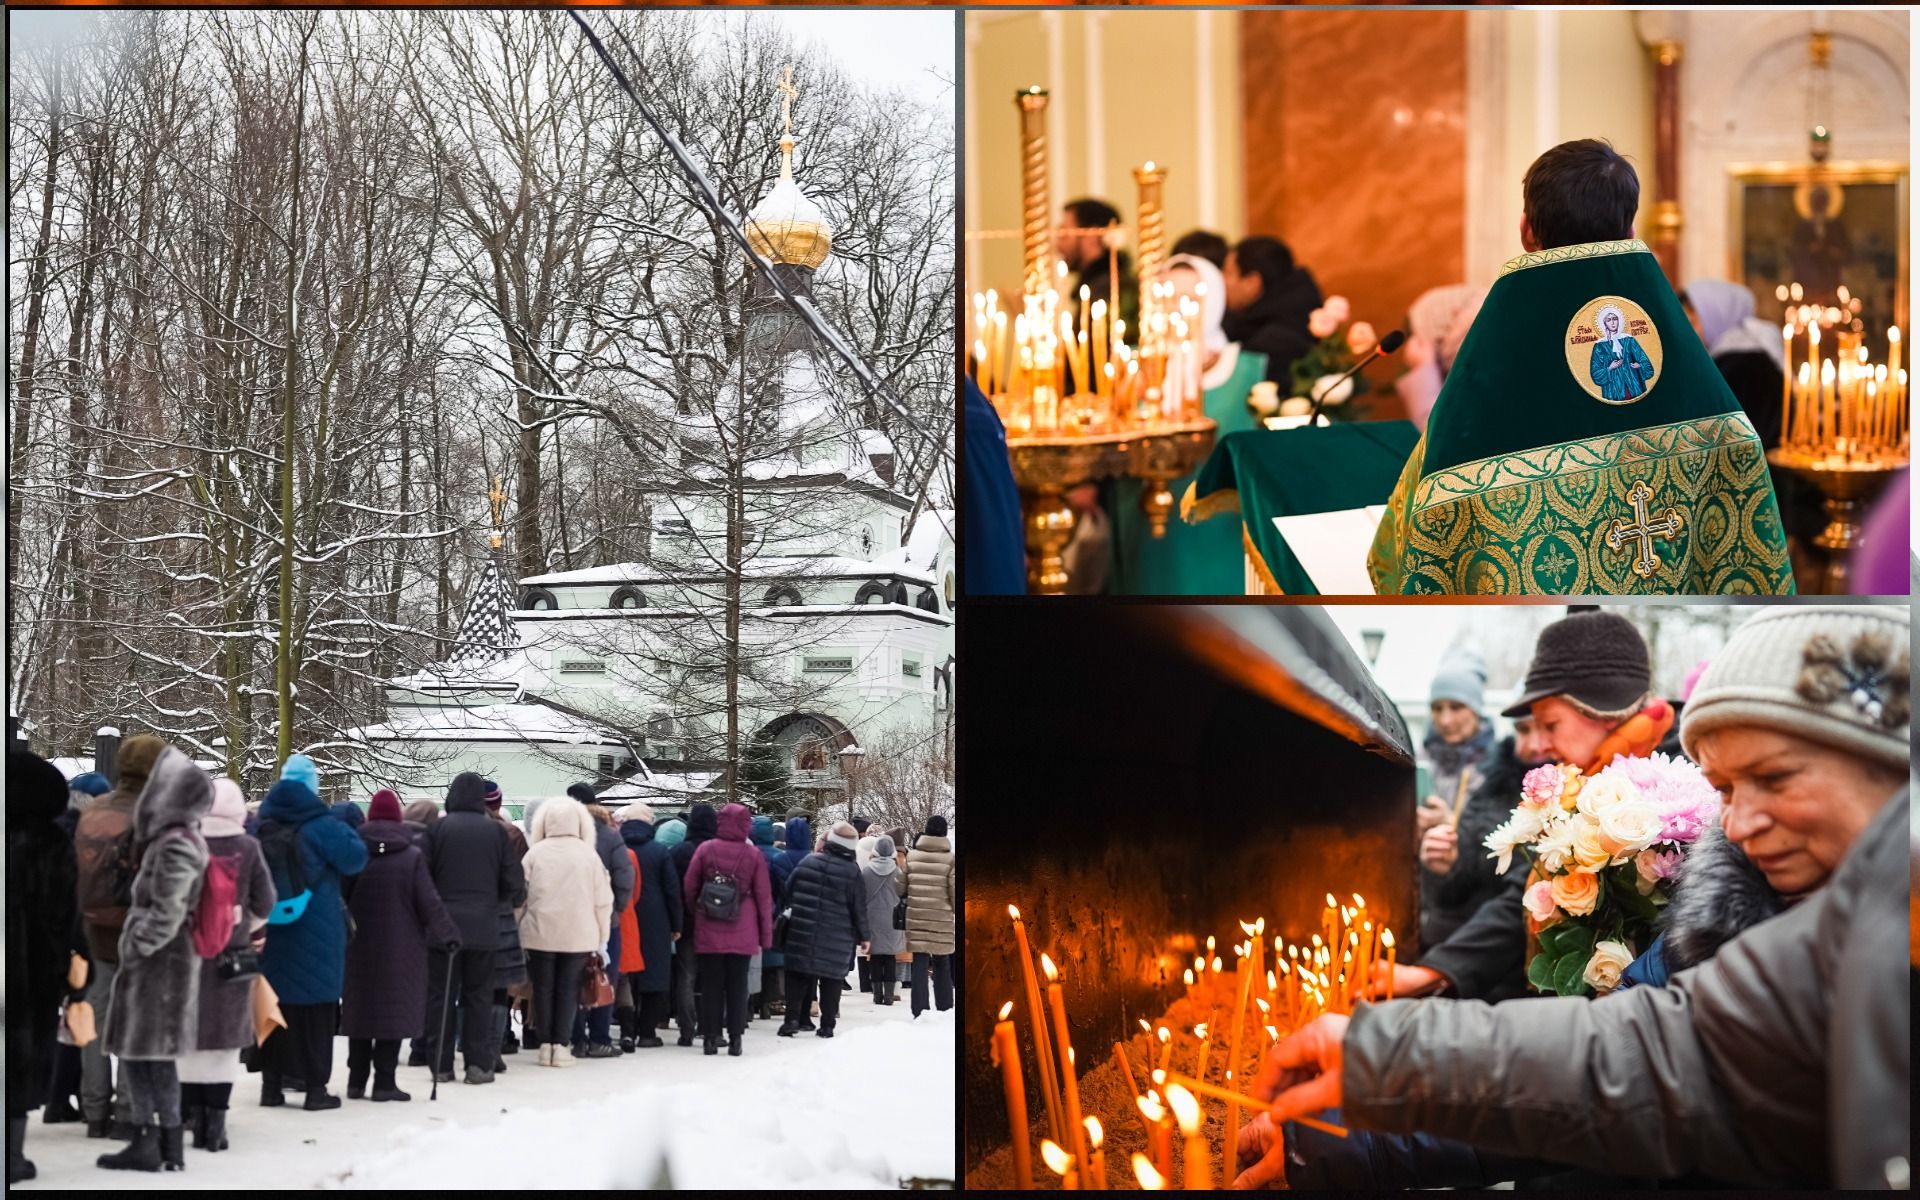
(607, 675)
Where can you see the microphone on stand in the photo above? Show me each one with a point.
(1387, 345)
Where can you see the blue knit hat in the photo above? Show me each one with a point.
(1462, 678)
(93, 783)
(301, 769)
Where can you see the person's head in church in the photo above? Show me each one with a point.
(1456, 697)
(1256, 267)
(1078, 241)
(1198, 280)
(1530, 745)
(1204, 243)
(1578, 192)
(1590, 673)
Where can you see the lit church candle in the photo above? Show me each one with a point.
(1151, 1180)
(1037, 1017)
(1097, 1164)
(1007, 1054)
(1159, 1133)
(1069, 1083)
(1186, 1110)
(1060, 1163)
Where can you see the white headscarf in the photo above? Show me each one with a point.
(1727, 323)
(1619, 330)
(1213, 316)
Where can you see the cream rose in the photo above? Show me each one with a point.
(1603, 969)
(1360, 337)
(1576, 893)
(1628, 828)
(1589, 850)
(1539, 901)
(1321, 323)
(1604, 791)
(1338, 307)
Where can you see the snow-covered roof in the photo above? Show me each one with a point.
(490, 723)
(687, 783)
(929, 534)
(781, 567)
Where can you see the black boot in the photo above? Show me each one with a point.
(173, 1153)
(320, 1100)
(141, 1154)
(502, 1021)
(194, 1117)
(733, 1047)
(270, 1094)
(18, 1168)
(98, 1129)
(215, 1127)
(711, 1046)
(826, 1028)
(787, 1029)
(60, 1111)
(385, 1087)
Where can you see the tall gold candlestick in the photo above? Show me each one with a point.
(1035, 202)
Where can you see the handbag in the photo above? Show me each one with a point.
(781, 924)
(595, 990)
(900, 915)
(240, 962)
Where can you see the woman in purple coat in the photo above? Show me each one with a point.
(726, 944)
(397, 915)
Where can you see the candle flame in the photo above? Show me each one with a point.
(1199, 964)
(1200, 1031)
(1093, 1130)
(1358, 902)
(1150, 1179)
(1216, 964)
(1260, 926)
(1293, 951)
(1893, 333)
(1005, 1009)
(1150, 1108)
(1056, 1159)
(1186, 1109)
(1187, 975)
(1013, 912)
(1262, 1002)
(1316, 941)
(1072, 1058)
(1046, 964)
(1159, 1075)
(1286, 968)
(1246, 927)
(1368, 926)
(1164, 1034)
(1273, 981)
(1146, 1028)
(1273, 1033)
(1209, 943)
(1386, 938)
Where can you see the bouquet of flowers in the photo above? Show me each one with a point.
(1604, 849)
(1341, 345)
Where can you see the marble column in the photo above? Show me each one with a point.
(1663, 229)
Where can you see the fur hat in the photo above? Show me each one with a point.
(422, 812)
(136, 758)
(860, 825)
(583, 793)
(1834, 674)
(384, 806)
(637, 811)
(844, 834)
(1597, 660)
(302, 769)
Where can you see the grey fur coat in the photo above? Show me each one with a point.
(1718, 896)
(153, 1013)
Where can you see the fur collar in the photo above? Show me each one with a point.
(1718, 895)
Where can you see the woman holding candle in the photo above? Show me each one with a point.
(1782, 1048)
(1203, 559)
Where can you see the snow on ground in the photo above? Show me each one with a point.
(869, 1108)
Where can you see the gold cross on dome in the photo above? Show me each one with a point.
(788, 94)
(497, 497)
(1642, 531)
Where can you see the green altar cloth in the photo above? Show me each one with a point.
(1189, 560)
(1264, 474)
(1584, 443)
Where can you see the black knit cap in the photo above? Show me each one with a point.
(1597, 659)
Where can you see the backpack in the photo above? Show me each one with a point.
(280, 845)
(213, 917)
(107, 864)
(720, 897)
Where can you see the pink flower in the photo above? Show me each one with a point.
(1337, 305)
(1360, 338)
(1655, 866)
(1680, 794)
(1539, 901)
(1322, 323)
(1542, 786)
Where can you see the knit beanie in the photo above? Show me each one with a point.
(883, 847)
(136, 758)
(1462, 678)
(384, 806)
(936, 826)
(1838, 675)
(1597, 660)
(671, 833)
(93, 783)
(637, 811)
(844, 834)
(301, 769)
(493, 795)
(423, 812)
(860, 825)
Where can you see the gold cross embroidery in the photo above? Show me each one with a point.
(1642, 531)
(788, 94)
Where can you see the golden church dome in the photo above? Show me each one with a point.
(786, 226)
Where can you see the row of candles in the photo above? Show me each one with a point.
(1843, 408)
(1057, 368)
(1303, 984)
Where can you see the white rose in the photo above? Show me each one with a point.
(1603, 969)
(1295, 406)
(1337, 395)
(1628, 828)
(1604, 791)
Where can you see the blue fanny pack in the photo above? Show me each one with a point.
(286, 912)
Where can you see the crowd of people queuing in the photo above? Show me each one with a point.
(165, 937)
(1759, 1040)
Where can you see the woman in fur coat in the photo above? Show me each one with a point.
(43, 931)
(153, 1017)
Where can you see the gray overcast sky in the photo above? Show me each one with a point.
(907, 48)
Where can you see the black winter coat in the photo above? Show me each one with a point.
(1276, 325)
(473, 868)
(703, 824)
(613, 856)
(396, 915)
(829, 913)
(658, 909)
(43, 923)
(1470, 918)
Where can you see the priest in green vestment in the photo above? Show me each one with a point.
(1206, 559)
(1584, 443)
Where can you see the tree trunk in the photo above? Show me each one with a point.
(30, 343)
(284, 666)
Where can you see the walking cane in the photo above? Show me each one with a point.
(440, 1044)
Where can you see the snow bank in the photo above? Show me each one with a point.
(867, 1109)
